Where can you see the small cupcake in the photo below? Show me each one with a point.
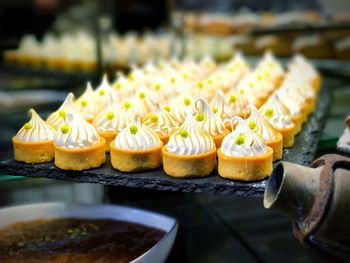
(210, 122)
(87, 104)
(111, 121)
(78, 146)
(190, 152)
(136, 148)
(56, 119)
(265, 130)
(244, 155)
(279, 116)
(163, 122)
(34, 141)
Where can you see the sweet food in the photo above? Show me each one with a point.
(57, 118)
(136, 148)
(210, 121)
(87, 104)
(279, 116)
(78, 146)
(34, 141)
(190, 152)
(163, 122)
(244, 155)
(265, 130)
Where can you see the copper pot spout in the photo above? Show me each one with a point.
(317, 200)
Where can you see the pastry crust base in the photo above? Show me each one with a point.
(183, 166)
(136, 160)
(81, 158)
(277, 147)
(288, 136)
(109, 137)
(246, 168)
(33, 152)
(298, 122)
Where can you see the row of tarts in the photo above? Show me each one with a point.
(186, 116)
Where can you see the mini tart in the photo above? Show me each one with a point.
(288, 136)
(81, 158)
(277, 147)
(181, 166)
(33, 152)
(136, 160)
(109, 137)
(245, 168)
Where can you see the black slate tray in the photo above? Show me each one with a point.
(302, 153)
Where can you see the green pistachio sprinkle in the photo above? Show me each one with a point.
(215, 110)
(200, 84)
(133, 129)
(84, 103)
(210, 81)
(172, 80)
(157, 86)
(240, 139)
(185, 76)
(131, 77)
(252, 125)
(65, 128)
(187, 101)
(62, 113)
(167, 108)
(184, 133)
(232, 99)
(154, 118)
(102, 92)
(127, 105)
(260, 77)
(269, 112)
(28, 126)
(110, 115)
(251, 84)
(142, 95)
(241, 91)
(118, 85)
(200, 117)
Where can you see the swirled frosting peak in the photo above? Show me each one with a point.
(76, 133)
(56, 119)
(242, 141)
(161, 121)
(277, 113)
(136, 136)
(209, 121)
(36, 130)
(190, 138)
(261, 126)
(87, 104)
(102, 92)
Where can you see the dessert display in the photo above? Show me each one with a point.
(34, 141)
(136, 148)
(177, 113)
(244, 155)
(190, 152)
(77, 144)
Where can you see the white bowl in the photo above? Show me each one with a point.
(158, 253)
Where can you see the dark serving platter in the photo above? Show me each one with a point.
(302, 153)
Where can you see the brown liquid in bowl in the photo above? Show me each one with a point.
(75, 240)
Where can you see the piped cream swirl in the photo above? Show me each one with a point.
(242, 141)
(136, 136)
(87, 104)
(76, 133)
(161, 121)
(56, 119)
(261, 126)
(277, 113)
(209, 121)
(190, 139)
(36, 130)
